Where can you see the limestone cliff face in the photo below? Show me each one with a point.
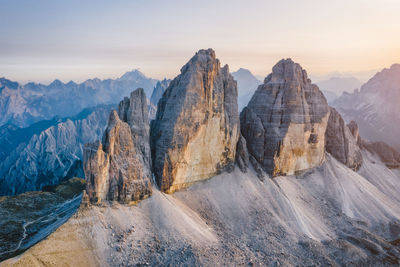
(341, 141)
(118, 168)
(285, 121)
(196, 129)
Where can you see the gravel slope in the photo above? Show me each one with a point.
(329, 216)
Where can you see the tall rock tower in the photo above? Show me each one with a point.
(285, 121)
(196, 129)
(119, 167)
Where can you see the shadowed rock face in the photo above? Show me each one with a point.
(341, 141)
(196, 129)
(118, 168)
(353, 127)
(284, 123)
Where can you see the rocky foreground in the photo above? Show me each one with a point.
(327, 217)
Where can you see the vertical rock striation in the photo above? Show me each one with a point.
(196, 129)
(118, 168)
(285, 121)
(341, 141)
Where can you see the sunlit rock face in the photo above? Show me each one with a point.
(196, 129)
(118, 168)
(341, 141)
(285, 121)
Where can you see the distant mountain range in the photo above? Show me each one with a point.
(375, 107)
(335, 86)
(48, 151)
(247, 84)
(22, 105)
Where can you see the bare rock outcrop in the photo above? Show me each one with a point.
(285, 121)
(242, 154)
(341, 141)
(118, 168)
(196, 129)
(355, 132)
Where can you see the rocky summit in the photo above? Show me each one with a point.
(118, 168)
(196, 128)
(341, 141)
(285, 121)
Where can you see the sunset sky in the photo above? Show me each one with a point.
(46, 39)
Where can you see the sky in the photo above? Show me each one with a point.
(41, 40)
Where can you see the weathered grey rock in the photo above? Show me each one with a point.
(196, 129)
(242, 154)
(388, 155)
(134, 111)
(340, 141)
(118, 168)
(285, 121)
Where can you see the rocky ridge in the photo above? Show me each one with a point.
(49, 151)
(375, 107)
(23, 105)
(119, 167)
(196, 129)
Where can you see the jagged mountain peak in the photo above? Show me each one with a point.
(243, 73)
(56, 83)
(284, 123)
(133, 75)
(286, 70)
(196, 129)
(8, 83)
(204, 58)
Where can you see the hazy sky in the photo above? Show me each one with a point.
(41, 40)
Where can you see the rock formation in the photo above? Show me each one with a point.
(341, 141)
(242, 154)
(285, 121)
(196, 129)
(355, 132)
(118, 168)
